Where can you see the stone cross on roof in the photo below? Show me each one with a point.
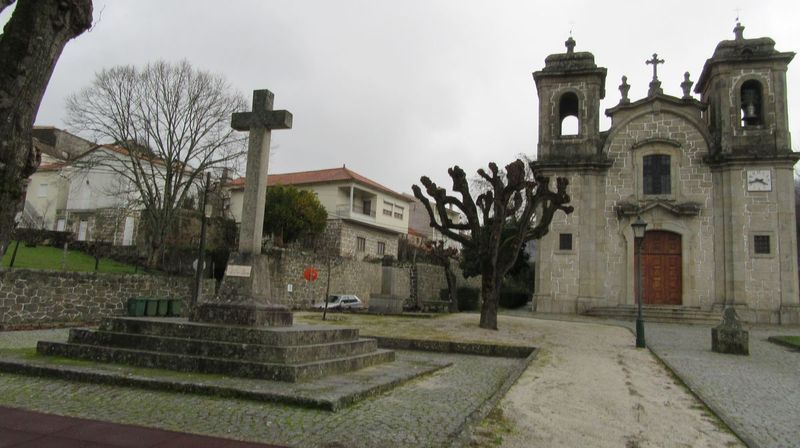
(655, 61)
(655, 84)
(260, 122)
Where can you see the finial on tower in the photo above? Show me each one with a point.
(623, 89)
(686, 85)
(738, 31)
(570, 44)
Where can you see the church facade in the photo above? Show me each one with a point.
(713, 179)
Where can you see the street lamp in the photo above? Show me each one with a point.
(639, 227)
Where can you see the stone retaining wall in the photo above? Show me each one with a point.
(348, 276)
(35, 298)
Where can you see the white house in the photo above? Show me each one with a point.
(365, 218)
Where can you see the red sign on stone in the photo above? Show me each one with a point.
(310, 274)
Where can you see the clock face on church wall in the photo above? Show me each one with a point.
(759, 180)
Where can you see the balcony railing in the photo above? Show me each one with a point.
(356, 211)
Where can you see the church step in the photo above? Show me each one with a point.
(275, 336)
(215, 349)
(201, 364)
(669, 314)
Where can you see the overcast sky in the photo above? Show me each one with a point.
(398, 89)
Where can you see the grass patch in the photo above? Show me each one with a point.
(49, 258)
(492, 429)
(791, 341)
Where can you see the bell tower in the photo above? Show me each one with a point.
(570, 88)
(744, 85)
(752, 167)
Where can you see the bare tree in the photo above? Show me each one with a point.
(172, 122)
(527, 206)
(30, 45)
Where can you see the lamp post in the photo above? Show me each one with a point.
(201, 252)
(639, 227)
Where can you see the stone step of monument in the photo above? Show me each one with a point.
(276, 336)
(663, 314)
(292, 354)
(229, 367)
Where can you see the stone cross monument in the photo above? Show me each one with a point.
(244, 296)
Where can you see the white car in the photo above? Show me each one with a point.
(341, 302)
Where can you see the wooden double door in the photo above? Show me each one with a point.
(661, 266)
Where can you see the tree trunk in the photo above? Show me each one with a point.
(30, 45)
(452, 286)
(490, 289)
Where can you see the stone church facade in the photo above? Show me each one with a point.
(713, 179)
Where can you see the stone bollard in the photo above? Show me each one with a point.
(729, 336)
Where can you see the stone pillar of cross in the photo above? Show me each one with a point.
(260, 122)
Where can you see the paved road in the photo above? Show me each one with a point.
(757, 395)
(26, 429)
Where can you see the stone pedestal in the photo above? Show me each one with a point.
(244, 296)
(729, 337)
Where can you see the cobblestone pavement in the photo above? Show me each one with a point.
(757, 395)
(422, 413)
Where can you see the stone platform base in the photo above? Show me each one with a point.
(251, 314)
(290, 354)
(331, 393)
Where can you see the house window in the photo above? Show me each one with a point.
(398, 212)
(42, 191)
(381, 248)
(367, 207)
(61, 224)
(656, 174)
(565, 241)
(387, 208)
(361, 244)
(761, 244)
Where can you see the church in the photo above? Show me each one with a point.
(712, 178)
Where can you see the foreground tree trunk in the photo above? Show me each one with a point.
(30, 45)
(452, 286)
(490, 295)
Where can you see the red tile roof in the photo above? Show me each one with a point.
(50, 167)
(316, 177)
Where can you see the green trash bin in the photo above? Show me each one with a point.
(152, 307)
(163, 307)
(136, 307)
(175, 307)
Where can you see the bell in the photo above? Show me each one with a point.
(750, 115)
(750, 108)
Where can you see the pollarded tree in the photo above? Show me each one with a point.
(292, 213)
(30, 45)
(172, 122)
(516, 202)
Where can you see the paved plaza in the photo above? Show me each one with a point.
(758, 396)
(428, 412)
(588, 386)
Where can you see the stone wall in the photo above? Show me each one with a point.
(32, 298)
(348, 276)
(430, 280)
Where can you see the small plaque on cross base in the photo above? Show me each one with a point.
(238, 270)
